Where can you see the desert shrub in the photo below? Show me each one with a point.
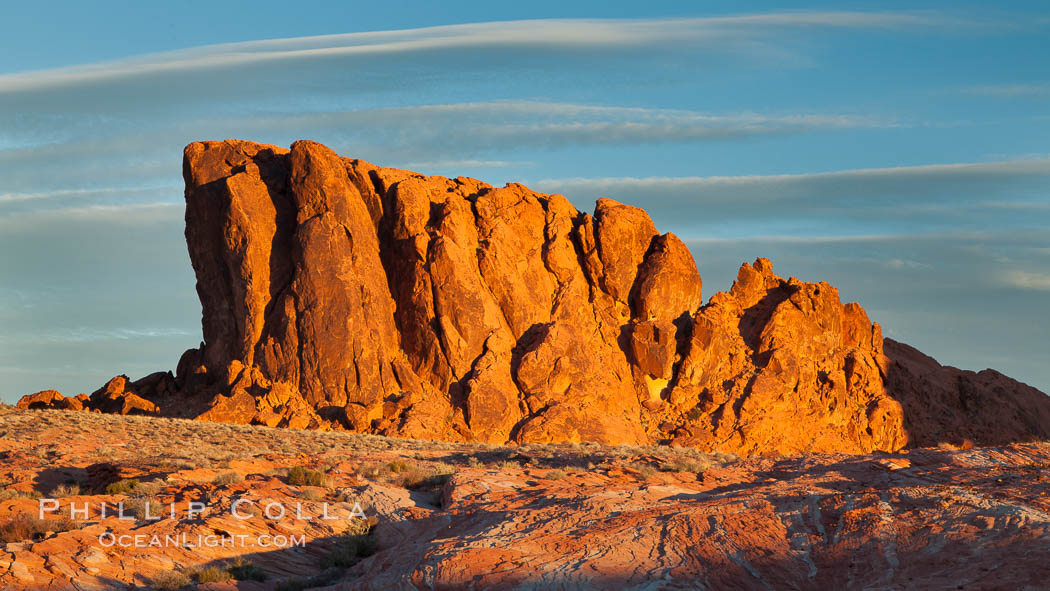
(685, 465)
(10, 493)
(427, 477)
(399, 467)
(324, 579)
(556, 474)
(242, 570)
(310, 494)
(357, 543)
(122, 487)
(170, 581)
(410, 475)
(697, 462)
(212, 574)
(148, 489)
(645, 471)
(227, 478)
(24, 527)
(137, 506)
(300, 476)
(65, 490)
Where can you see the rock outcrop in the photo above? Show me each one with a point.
(338, 294)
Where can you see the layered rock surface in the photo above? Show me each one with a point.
(339, 294)
(584, 517)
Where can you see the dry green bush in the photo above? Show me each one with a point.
(170, 581)
(24, 527)
(645, 471)
(242, 570)
(212, 574)
(356, 543)
(122, 487)
(137, 506)
(302, 476)
(65, 490)
(227, 478)
(410, 475)
(10, 493)
(310, 494)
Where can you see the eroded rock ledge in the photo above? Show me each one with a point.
(339, 294)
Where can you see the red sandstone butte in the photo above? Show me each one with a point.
(337, 294)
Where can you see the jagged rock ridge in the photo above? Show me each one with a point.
(339, 294)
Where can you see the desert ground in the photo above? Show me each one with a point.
(441, 515)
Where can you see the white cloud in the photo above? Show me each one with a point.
(430, 135)
(860, 183)
(477, 125)
(971, 170)
(89, 334)
(1010, 90)
(561, 33)
(58, 193)
(1027, 280)
(130, 214)
(452, 164)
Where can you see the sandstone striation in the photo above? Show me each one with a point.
(341, 295)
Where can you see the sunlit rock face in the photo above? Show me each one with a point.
(339, 294)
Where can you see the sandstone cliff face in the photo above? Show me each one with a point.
(338, 294)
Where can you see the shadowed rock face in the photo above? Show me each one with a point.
(340, 294)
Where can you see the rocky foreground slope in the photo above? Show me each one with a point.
(475, 516)
(339, 294)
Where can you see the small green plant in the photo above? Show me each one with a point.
(300, 476)
(357, 543)
(212, 574)
(645, 471)
(685, 465)
(145, 506)
(10, 493)
(242, 570)
(310, 494)
(324, 579)
(24, 527)
(65, 490)
(122, 487)
(227, 478)
(170, 581)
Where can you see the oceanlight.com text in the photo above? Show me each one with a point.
(187, 540)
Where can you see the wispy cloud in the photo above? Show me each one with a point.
(904, 192)
(847, 202)
(427, 136)
(90, 334)
(453, 164)
(84, 193)
(1010, 90)
(1027, 280)
(129, 214)
(561, 33)
(481, 125)
(962, 171)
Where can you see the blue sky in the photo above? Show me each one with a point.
(896, 151)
